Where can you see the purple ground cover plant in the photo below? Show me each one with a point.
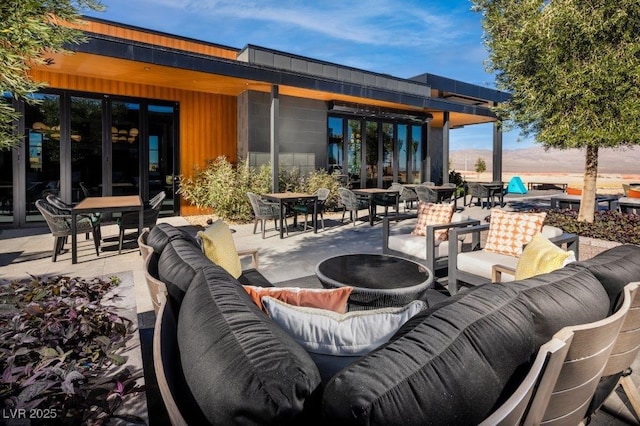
(61, 341)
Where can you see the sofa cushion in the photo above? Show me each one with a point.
(160, 235)
(433, 214)
(568, 296)
(416, 246)
(510, 231)
(451, 367)
(335, 340)
(615, 268)
(240, 366)
(333, 299)
(541, 256)
(480, 262)
(178, 264)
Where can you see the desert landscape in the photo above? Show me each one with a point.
(615, 166)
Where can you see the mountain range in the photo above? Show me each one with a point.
(536, 160)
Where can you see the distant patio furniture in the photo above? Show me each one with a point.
(307, 207)
(572, 202)
(629, 205)
(60, 225)
(531, 186)
(379, 197)
(425, 194)
(263, 211)
(351, 202)
(407, 193)
(286, 199)
(130, 220)
(486, 193)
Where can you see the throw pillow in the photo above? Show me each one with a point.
(327, 332)
(541, 256)
(574, 191)
(334, 299)
(218, 246)
(510, 231)
(433, 214)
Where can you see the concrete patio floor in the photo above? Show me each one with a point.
(25, 252)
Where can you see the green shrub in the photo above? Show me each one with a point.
(223, 187)
(321, 179)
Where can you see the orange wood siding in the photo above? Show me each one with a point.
(208, 122)
(140, 35)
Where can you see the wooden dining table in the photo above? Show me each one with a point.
(284, 198)
(108, 204)
(370, 193)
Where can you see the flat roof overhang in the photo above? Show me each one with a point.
(122, 60)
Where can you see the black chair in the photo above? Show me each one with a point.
(130, 220)
(66, 209)
(307, 208)
(59, 222)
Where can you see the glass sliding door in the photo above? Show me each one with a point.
(42, 151)
(335, 148)
(372, 155)
(354, 153)
(86, 147)
(125, 148)
(388, 166)
(161, 146)
(6, 178)
(416, 154)
(403, 154)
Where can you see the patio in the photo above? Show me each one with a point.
(288, 261)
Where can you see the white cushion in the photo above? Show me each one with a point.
(327, 332)
(415, 245)
(481, 263)
(549, 231)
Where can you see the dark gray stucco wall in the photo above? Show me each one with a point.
(302, 130)
(433, 162)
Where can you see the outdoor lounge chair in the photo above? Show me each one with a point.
(59, 222)
(428, 250)
(474, 265)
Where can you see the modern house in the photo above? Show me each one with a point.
(133, 108)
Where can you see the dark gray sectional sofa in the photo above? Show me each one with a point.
(452, 363)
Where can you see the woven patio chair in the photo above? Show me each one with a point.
(351, 202)
(263, 211)
(59, 222)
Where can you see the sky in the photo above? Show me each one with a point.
(403, 38)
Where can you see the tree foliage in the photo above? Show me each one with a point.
(573, 70)
(29, 29)
(480, 165)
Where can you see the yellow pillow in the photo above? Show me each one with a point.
(218, 246)
(541, 256)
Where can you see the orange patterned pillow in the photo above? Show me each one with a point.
(334, 299)
(510, 231)
(433, 214)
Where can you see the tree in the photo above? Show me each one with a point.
(572, 68)
(480, 165)
(29, 29)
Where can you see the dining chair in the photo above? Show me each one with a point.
(425, 194)
(307, 208)
(407, 195)
(59, 222)
(350, 201)
(263, 211)
(131, 220)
